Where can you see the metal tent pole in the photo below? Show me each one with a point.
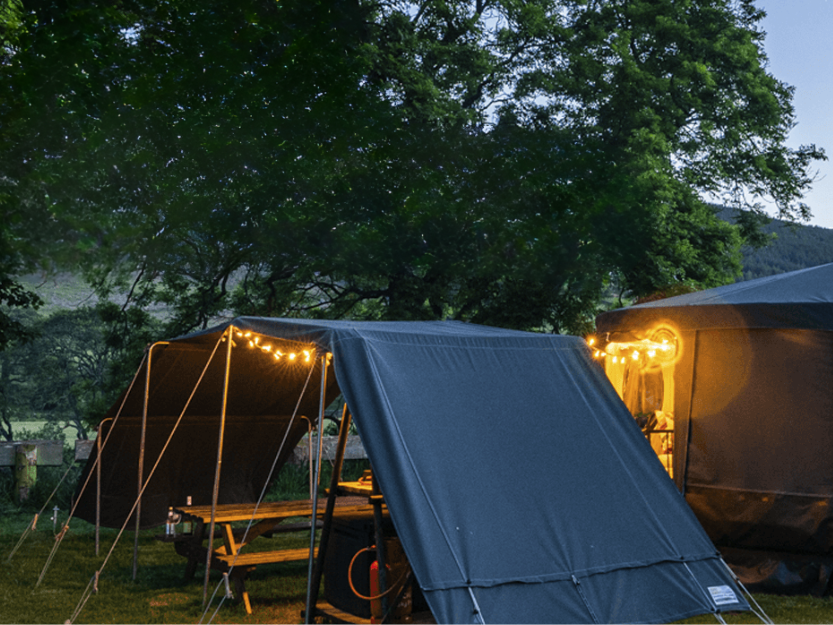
(216, 492)
(313, 520)
(329, 510)
(141, 461)
(98, 482)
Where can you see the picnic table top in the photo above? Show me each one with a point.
(278, 510)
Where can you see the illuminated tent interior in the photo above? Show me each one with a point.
(515, 478)
(733, 386)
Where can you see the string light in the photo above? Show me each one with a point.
(254, 341)
(660, 347)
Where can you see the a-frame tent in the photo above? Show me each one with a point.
(752, 404)
(516, 479)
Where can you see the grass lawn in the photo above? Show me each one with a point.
(162, 595)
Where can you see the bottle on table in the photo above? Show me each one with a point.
(187, 527)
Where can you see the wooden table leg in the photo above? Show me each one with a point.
(238, 575)
(194, 555)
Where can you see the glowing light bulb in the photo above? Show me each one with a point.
(591, 341)
(652, 353)
(266, 348)
(292, 356)
(306, 355)
(635, 355)
(615, 360)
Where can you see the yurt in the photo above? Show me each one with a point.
(733, 387)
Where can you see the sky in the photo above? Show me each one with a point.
(799, 44)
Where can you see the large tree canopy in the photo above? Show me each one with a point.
(499, 161)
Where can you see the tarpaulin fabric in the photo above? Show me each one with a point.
(752, 405)
(518, 483)
(800, 299)
(262, 397)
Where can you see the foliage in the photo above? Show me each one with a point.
(72, 372)
(55, 486)
(491, 161)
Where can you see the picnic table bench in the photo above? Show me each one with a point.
(266, 520)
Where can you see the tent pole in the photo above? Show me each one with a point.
(141, 461)
(98, 482)
(309, 458)
(313, 520)
(216, 492)
(328, 512)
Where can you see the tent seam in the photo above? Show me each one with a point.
(567, 576)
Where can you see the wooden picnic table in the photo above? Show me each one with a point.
(267, 518)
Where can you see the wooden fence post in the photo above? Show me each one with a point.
(25, 469)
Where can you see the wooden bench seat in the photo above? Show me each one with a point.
(245, 563)
(253, 559)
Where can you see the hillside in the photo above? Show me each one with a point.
(794, 247)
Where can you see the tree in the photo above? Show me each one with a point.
(494, 161)
(73, 371)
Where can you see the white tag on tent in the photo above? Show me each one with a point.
(723, 595)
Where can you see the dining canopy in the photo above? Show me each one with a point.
(518, 483)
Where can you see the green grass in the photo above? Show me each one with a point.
(160, 594)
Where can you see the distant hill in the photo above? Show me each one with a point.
(795, 247)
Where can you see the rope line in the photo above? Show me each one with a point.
(92, 586)
(152, 471)
(30, 528)
(90, 474)
(260, 498)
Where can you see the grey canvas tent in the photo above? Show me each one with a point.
(517, 481)
(751, 402)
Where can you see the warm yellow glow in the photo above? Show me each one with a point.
(661, 347)
(591, 340)
(259, 341)
(615, 360)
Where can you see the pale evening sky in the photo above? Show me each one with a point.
(799, 44)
